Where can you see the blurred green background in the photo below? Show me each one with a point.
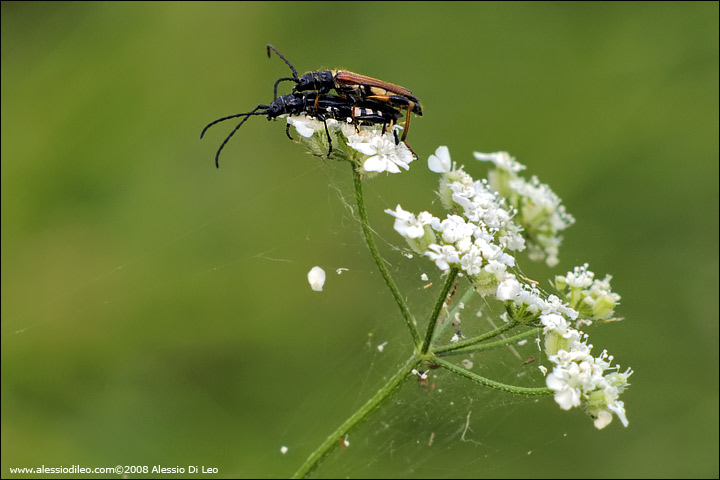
(155, 310)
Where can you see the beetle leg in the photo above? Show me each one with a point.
(412, 151)
(327, 132)
(399, 101)
(287, 132)
(407, 125)
(352, 116)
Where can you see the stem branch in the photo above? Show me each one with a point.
(491, 383)
(447, 350)
(438, 306)
(480, 338)
(378, 259)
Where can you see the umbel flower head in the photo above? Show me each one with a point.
(480, 236)
(369, 146)
(592, 298)
(538, 209)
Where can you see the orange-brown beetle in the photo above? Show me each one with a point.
(353, 86)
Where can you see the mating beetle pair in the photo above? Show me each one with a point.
(360, 99)
(322, 107)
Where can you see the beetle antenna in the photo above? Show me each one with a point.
(270, 47)
(276, 85)
(217, 155)
(246, 115)
(234, 116)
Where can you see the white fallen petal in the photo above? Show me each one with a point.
(316, 277)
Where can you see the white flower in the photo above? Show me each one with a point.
(618, 408)
(580, 277)
(603, 419)
(305, 125)
(502, 160)
(407, 225)
(509, 289)
(534, 206)
(472, 261)
(564, 383)
(578, 378)
(455, 229)
(316, 277)
(554, 322)
(440, 161)
(540, 213)
(443, 255)
(593, 298)
(385, 155)
(554, 305)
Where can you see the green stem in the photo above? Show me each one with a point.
(491, 383)
(438, 306)
(378, 259)
(445, 351)
(382, 396)
(478, 339)
(462, 303)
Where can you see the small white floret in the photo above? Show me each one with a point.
(383, 154)
(440, 162)
(603, 419)
(305, 125)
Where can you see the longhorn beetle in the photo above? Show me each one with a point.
(321, 107)
(354, 86)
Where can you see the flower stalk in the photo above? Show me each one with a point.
(375, 253)
(442, 298)
(453, 349)
(486, 382)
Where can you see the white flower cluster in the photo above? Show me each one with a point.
(474, 241)
(475, 237)
(384, 155)
(529, 300)
(539, 210)
(592, 298)
(382, 152)
(578, 378)
(454, 242)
